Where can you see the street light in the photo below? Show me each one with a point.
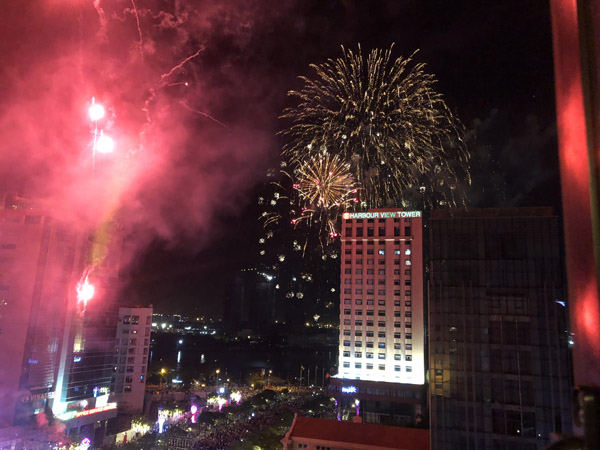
(162, 373)
(218, 371)
(269, 379)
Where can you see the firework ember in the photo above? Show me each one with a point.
(85, 291)
(384, 118)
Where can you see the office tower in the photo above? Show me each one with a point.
(499, 372)
(131, 358)
(40, 257)
(382, 342)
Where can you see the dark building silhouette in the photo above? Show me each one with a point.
(500, 376)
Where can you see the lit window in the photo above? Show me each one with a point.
(407, 251)
(381, 345)
(396, 252)
(381, 252)
(397, 357)
(369, 355)
(407, 262)
(380, 355)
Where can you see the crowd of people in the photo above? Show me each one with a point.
(227, 432)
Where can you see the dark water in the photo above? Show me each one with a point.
(198, 357)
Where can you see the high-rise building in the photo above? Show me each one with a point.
(382, 339)
(39, 259)
(131, 358)
(499, 360)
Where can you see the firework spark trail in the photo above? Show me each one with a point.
(208, 116)
(180, 65)
(163, 83)
(139, 28)
(384, 118)
(102, 19)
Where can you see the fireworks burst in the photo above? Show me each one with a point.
(384, 118)
(326, 182)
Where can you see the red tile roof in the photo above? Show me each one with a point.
(369, 434)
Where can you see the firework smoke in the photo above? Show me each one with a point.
(384, 118)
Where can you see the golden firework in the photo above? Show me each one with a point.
(385, 120)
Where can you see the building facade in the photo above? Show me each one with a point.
(499, 360)
(131, 358)
(39, 259)
(382, 337)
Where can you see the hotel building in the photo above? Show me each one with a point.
(382, 339)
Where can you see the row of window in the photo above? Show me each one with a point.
(370, 262)
(371, 251)
(371, 281)
(359, 271)
(370, 344)
(129, 359)
(135, 320)
(359, 231)
(359, 291)
(380, 334)
(134, 331)
(359, 323)
(369, 355)
(369, 366)
(133, 341)
(380, 302)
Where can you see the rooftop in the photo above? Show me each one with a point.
(364, 435)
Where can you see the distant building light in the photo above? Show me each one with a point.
(349, 389)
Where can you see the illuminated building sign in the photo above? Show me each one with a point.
(349, 389)
(381, 214)
(87, 412)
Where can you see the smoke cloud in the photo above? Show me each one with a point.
(185, 109)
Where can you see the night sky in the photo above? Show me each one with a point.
(493, 62)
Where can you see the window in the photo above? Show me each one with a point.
(381, 282)
(369, 355)
(346, 332)
(397, 314)
(348, 281)
(408, 303)
(381, 334)
(346, 364)
(348, 232)
(370, 251)
(381, 366)
(407, 262)
(358, 333)
(131, 360)
(396, 335)
(396, 368)
(358, 344)
(370, 312)
(369, 334)
(358, 323)
(397, 303)
(369, 262)
(396, 252)
(358, 354)
(369, 366)
(408, 369)
(397, 346)
(358, 312)
(381, 261)
(370, 302)
(408, 314)
(408, 325)
(347, 291)
(397, 357)
(408, 346)
(346, 354)
(397, 292)
(370, 232)
(407, 272)
(408, 293)
(369, 345)
(381, 252)
(396, 231)
(407, 251)
(369, 323)
(408, 357)
(380, 355)
(359, 261)
(406, 231)
(347, 301)
(369, 271)
(381, 345)
(381, 302)
(407, 282)
(381, 313)
(346, 343)
(408, 336)
(358, 281)
(396, 271)
(381, 292)
(358, 365)
(359, 232)
(381, 324)
(358, 271)
(359, 251)
(358, 291)
(358, 301)
(396, 262)
(347, 312)
(397, 325)
(381, 271)
(129, 369)
(370, 281)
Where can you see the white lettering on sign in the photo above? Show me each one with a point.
(381, 214)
